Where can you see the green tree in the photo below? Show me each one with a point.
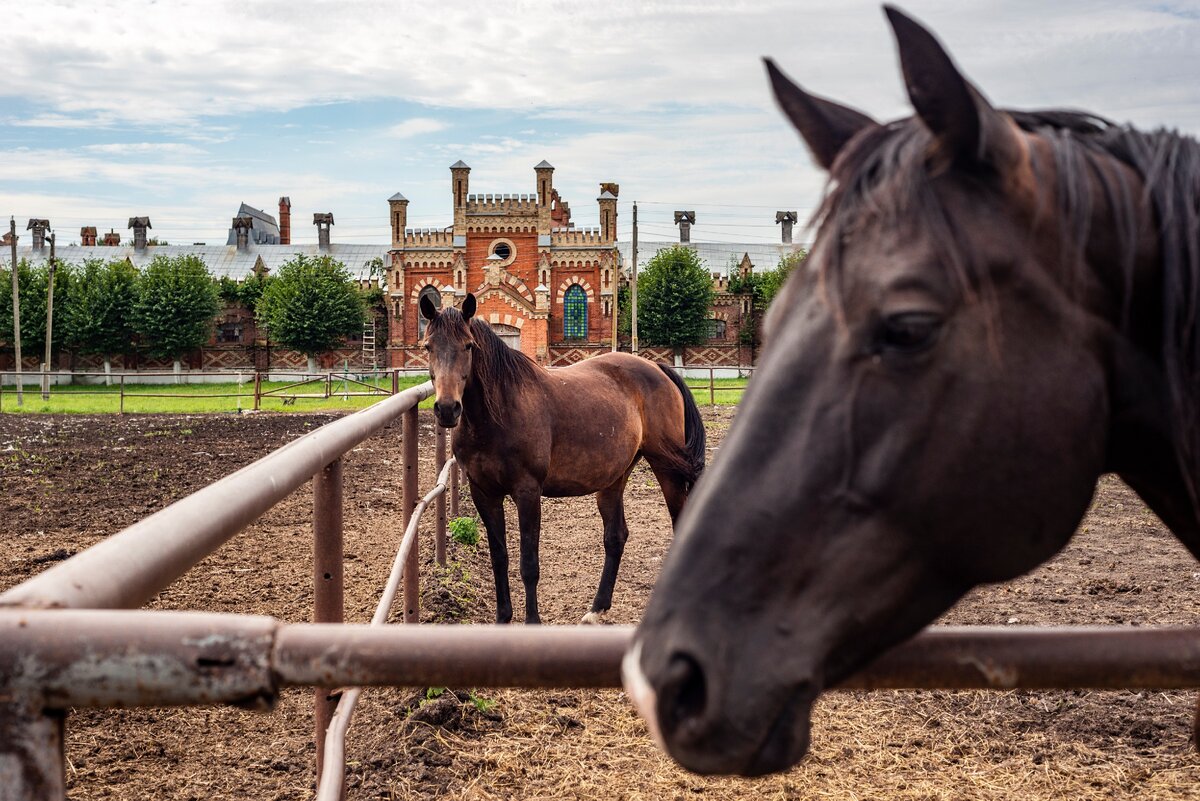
(33, 281)
(311, 306)
(674, 299)
(100, 317)
(175, 306)
(763, 287)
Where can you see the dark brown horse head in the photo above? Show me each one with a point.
(944, 380)
(450, 345)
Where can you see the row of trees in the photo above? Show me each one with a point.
(675, 296)
(108, 308)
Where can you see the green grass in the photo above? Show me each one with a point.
(189, 398)
(201, 398)
(726, 391)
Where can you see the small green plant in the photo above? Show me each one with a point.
(434, 692)
(482, 704)
(464, 531)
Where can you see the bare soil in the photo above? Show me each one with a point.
(66, 482)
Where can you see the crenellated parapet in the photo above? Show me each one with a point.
(577, 237)
(505, 205)
(427, 238)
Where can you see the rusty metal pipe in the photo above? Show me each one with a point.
(328, 582)
(332, 740)
(131, 567)
(412, 576)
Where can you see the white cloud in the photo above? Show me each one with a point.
(142, 148)
(415, 126)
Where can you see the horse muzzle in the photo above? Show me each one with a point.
(448, 413)
(713, 732)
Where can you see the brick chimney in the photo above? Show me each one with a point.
(139, 226)
(787, 219)
(285, 220)
(242, 226)
(39, 228)
(685, 220)
(87, 236)
(112, 238)
(323, 221)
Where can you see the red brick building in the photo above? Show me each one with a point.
(545, 285)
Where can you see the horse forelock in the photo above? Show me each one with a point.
(884, 173)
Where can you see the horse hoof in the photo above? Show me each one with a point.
(594, 618)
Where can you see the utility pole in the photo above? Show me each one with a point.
(633, 291)
(16, 293)
(49, 323)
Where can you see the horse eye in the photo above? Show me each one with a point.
(468, 347)
(909, 332)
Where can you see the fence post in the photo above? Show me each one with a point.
(412, 583)
(32, 761)
(328, 385)
(396, 381)
(327, 578)
(453, 490)
(712, 400)
(439, 536)
(121, 406)
(257, 390)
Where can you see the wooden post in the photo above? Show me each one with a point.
(439, 535)
(257, 390)
(121, 407)
(16, 301)
(396, 381)
(412, 583)
(49, 324)
(328, 579)
(712, 399)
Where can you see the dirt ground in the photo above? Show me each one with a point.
(66, 482)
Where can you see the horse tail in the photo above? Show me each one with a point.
(693, 428)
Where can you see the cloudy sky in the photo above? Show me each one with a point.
(182, 110)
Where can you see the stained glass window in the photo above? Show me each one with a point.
(575, 313)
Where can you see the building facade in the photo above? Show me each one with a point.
(544, 284)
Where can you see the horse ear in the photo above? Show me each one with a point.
(428, 310)
(825, 125)
(965, 125)
(468, 307)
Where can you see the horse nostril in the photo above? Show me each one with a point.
(457, 408)
(683, 698)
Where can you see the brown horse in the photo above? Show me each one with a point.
(998, 308)
(527, 432)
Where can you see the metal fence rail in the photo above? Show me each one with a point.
(63, 644)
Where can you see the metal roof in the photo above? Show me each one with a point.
(222, 260)
(545, 165)
(717, 255)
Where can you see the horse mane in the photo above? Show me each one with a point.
(499, 370)
(884, 171)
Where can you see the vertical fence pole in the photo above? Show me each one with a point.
(328, 385)
(396, 381)
(121, 405)
(257, 390)
(712, 398)
(327, 578)
(412, 583)
(453, 490)
(32, 760)
(439, 536)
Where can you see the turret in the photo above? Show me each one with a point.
(608, 211)
(545, 194)
(398, 204)
(459, 181)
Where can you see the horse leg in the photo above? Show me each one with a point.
(674, 489)
(529, 516)
(491, 510)
(611, 502)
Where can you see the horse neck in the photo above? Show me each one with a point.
(489, 393)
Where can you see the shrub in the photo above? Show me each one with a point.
(464, 531)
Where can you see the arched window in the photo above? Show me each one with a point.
(716, 328)
(575, 313)
(436, 298)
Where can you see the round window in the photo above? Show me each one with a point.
(503, 250)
